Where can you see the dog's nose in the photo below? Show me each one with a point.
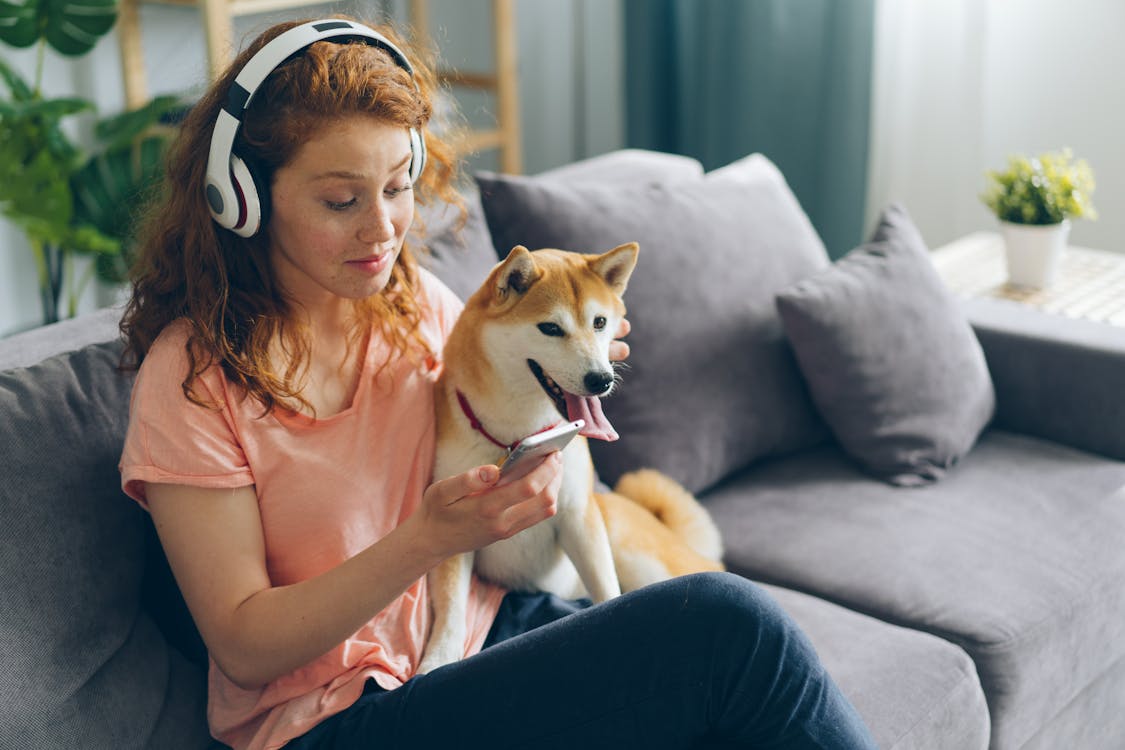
(598, 382)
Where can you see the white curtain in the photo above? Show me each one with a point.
(958, 85)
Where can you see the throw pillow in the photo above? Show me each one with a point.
(710, 384)
(459, 253)
(627, 165)
(892, 362)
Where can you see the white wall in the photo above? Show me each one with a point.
(571, 90)
(961, 84)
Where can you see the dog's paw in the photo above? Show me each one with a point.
(438, 657)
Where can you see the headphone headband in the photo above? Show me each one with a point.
(231, 193)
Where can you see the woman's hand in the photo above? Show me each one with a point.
(619, 350)
(474, 509)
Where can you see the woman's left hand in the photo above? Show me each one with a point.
(619, 350)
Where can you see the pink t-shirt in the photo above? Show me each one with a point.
(327, 489)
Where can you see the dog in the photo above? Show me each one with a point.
(531, 350)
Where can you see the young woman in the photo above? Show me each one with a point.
(281, 436)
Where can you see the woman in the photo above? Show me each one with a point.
(281, 436)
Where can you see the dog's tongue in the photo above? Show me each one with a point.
(589, 408)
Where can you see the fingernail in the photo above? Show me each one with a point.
(488, 474)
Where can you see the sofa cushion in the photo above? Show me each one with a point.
(81, 664)
(889, 357)
(1092, 720)
(937, 703)
(711, 383)
(1017, 557)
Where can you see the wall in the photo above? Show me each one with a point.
(570, 69)
(570, 90)
(1054, 78)
(961, 84)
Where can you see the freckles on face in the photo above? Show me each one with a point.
(341, 209)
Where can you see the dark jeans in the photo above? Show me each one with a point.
(701, 661)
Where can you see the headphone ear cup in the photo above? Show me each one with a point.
(262, 192)
(218, 199)
(417, 155)
(249, 205)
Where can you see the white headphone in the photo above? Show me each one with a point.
(232, 190)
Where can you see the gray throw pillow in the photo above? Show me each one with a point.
(711, 383)
(460, 253)
(627, 165)
(891, 360)
(82, 664)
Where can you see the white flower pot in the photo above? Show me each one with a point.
(1034, 251)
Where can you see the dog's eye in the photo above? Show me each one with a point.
(551, 329)
(599, 323)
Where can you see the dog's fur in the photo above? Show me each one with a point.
(539, 327)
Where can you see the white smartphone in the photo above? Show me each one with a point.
(540, 444)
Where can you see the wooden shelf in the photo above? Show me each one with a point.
(217, 18)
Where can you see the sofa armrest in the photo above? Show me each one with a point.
(27, 348)
(1055, 377)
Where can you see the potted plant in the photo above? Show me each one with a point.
(1035, 198)
(69, 200)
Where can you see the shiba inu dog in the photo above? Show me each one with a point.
(531, 350)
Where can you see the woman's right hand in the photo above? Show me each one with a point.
(474, 509)
(256, 631)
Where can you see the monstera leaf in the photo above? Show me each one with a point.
(36, 160)
(71, 27)
(19, 23)
(112, 188)
(121, 130)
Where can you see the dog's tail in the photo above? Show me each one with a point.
(675, 507)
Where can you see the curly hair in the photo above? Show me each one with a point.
(224, 286)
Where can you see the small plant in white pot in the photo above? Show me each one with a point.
(1035, 198)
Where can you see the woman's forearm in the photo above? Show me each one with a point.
(257, 632)
(280, 629)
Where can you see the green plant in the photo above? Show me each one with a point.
(1045, 189)
(113, 185)
(66, 199)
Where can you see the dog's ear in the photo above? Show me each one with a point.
(616, 266)
(517, 273)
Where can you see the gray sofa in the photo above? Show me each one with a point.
(982, 607)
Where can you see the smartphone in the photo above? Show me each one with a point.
(540, 444)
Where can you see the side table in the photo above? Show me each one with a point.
(1090, 283)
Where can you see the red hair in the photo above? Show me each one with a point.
(224, 285)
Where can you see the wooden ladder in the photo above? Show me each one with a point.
(218, 17)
